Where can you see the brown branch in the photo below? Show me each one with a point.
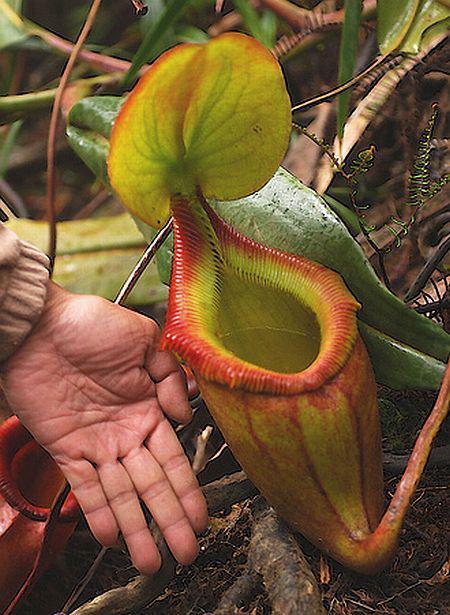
(138, 593)
(98, 61)
(312, 102)
(200, 458)
(432, 263)
(143, 262)
(140, 7)
(51, 214)
(302, 19)
(276, 556)
(396, 464)
(13, 198)
(79, 589)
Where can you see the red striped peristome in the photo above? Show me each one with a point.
(309, 440)
(29, 482)
(203, 244)
(14, 439)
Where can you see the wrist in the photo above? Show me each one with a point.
(23, 290)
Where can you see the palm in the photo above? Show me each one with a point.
(92, 388)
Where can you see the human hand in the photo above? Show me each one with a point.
(91, 386)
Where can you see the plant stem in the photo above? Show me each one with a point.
(54, 124)
(312, 102)
(143, 262)
(99, 61)
(425, 273)
(21, 105)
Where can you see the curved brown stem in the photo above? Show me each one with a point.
(376, 551)
(99, 61)
(54, 124)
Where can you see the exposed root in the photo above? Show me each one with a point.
(239, 594)
(276, 556)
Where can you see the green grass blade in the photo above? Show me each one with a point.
(7, 146)
(150, 46)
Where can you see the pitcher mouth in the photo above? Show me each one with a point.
(252, 317)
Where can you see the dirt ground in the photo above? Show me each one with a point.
(418, 582)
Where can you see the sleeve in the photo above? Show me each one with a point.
(24, 275)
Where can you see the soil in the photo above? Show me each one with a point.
(418, 583)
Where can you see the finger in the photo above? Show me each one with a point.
(167, 450)
(157, 494)
(88, 491)
(170, 385)
(127, 510)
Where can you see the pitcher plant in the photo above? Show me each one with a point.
(271, 337)
(29, 482)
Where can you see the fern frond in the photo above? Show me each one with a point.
(420, 187)
(363, 162)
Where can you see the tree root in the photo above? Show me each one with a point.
(239, 594)
(276, 556)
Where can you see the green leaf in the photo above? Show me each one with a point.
(393, 22)
(89, 126)
(96, 113)
(95, 256)
(399, 366)
(348, 217)
(402, 24)
(151, 45)
(12, 29)
(429, 14)
(347, 57)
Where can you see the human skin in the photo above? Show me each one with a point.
(94, 390)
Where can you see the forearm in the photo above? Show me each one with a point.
(24, 281)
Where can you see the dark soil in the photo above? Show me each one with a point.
(418, 582)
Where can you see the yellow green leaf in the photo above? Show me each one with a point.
(393, 22)
(214, 115)
(429, 14)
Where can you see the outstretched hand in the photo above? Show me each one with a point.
(91, 386)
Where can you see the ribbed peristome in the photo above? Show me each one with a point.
(207, 253)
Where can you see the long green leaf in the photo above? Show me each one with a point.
(12, 28)
(95, 256)
(150, 46)
(393, 22)
(347, 57)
